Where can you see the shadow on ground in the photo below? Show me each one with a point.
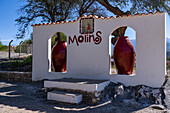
(31, 96)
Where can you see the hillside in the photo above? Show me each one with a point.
(134, 44)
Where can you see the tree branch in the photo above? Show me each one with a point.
(114, 10)
(87, 7)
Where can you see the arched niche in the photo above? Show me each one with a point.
(52, 42)
(131, 33)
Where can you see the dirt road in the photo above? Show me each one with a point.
(18, 97)
(5, 55)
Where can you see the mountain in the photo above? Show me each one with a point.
(167, 40)
(168, 45)
(134, 44)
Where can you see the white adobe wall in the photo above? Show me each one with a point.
(92, 61)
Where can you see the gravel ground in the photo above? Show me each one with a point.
(5, 55)
(16, 97)
(167, 93)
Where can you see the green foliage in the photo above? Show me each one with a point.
(17, 64)
(168, 58)
(29, 41)
(16, 50)
(23, 46)
(53, 41)
(26, 61)
(113, 67)
(3, 47)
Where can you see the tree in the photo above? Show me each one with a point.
(24, 45)
(31, 36)
(54, 11)
(3, 47)
(60, 10)
(89, 7)
(53, 38)
(47, 10)
(138, 6)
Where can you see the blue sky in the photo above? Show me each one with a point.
(8, 27)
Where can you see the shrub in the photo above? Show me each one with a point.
(26, 61)
(3, 47)
(23, 46)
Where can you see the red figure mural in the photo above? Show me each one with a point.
(124, 55)
(59, 53)
(88, 27)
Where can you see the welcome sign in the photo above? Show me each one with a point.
(87, 38)
(86, 33)
(89, 48)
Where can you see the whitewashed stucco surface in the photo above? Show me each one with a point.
(92, 61)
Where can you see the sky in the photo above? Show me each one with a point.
(8, 27)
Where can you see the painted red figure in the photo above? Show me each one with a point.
(59, 55)
(124, 55)
(88, 27)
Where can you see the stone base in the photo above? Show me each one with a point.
(73, 98)
(86, 85)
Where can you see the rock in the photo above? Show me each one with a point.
(119, 93)
(94, 100)
(132, 102)
(120, 90)
(160, 107)
(97, 94)
(141, 94)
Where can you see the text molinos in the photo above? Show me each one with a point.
(86, 38)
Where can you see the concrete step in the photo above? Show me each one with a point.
(59, 96)
(85, 85)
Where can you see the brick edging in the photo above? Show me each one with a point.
(16, 76)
